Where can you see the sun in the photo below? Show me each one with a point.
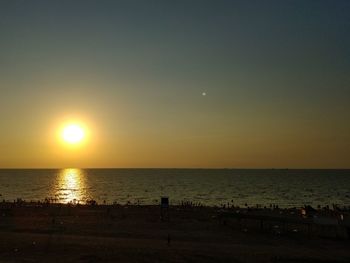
(73, 134)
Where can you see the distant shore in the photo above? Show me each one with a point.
(41, 232)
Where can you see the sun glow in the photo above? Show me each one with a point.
(73, 134)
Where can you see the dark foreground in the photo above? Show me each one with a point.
(63, 233)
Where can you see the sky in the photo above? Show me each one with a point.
(194, 84)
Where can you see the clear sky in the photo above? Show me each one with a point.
(276, 78)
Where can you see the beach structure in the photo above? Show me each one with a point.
(164, 208)
(313, 224)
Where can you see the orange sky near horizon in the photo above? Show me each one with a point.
(175, 84)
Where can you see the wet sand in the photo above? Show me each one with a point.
(63, 233)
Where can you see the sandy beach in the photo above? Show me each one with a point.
(106, 233)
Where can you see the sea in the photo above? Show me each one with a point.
(211, 187)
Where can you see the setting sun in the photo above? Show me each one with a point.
(73, 134)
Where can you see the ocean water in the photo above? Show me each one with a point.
(286, 188)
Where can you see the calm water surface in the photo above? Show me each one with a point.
(208, 186)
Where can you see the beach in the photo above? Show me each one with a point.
(44, 232)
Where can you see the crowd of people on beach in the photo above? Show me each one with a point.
(334, 209)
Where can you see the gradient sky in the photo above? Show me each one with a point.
(276, 75)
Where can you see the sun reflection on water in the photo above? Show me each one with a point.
(70, 186)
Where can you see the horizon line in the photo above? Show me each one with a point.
(165, 168)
